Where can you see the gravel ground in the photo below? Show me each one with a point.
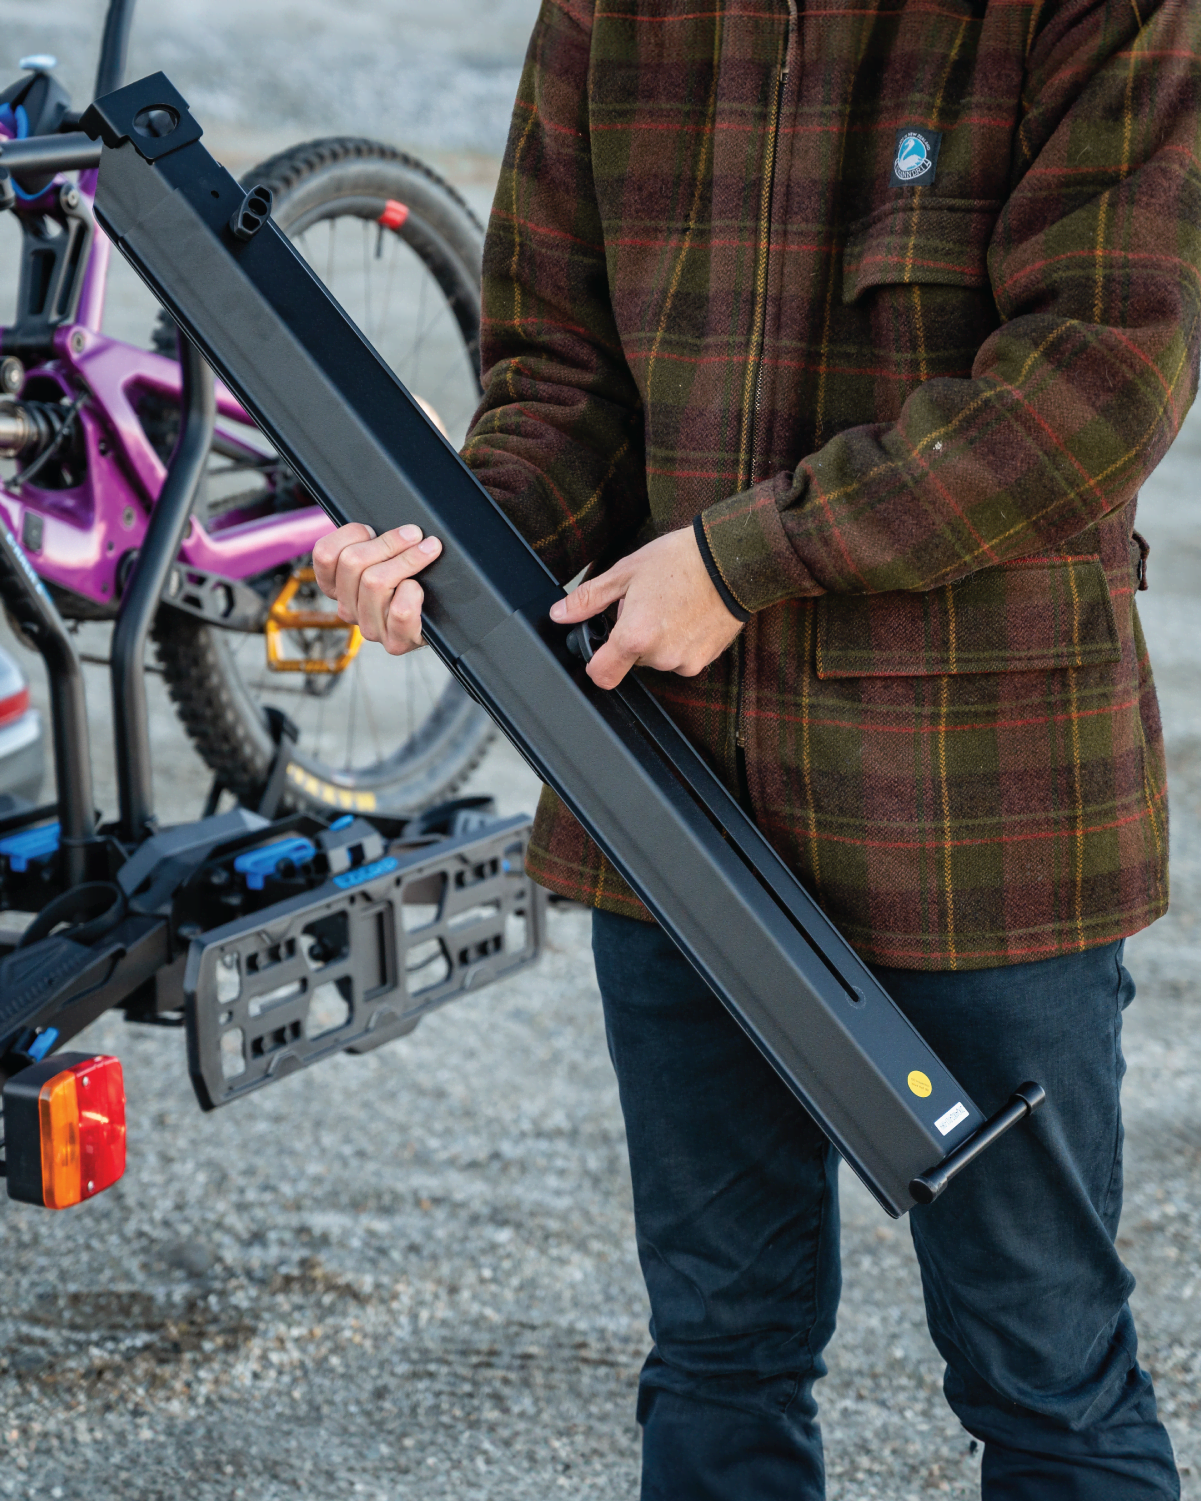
(413, 1273)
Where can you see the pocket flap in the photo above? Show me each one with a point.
(916, 238)
(1025, 616)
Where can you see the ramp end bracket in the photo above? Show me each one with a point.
(1024, 1101)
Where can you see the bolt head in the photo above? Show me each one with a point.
(78, 341)
(71, 197)
(127, 517)
(12, 374)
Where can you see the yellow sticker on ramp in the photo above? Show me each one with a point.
(920, 1085)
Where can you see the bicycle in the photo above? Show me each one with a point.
(244, 639)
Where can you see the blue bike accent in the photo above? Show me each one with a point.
(366, 873)
(30, 844)
(257, 865)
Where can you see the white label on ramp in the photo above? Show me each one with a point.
(947, 1123)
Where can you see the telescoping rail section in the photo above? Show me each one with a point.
(368, 453)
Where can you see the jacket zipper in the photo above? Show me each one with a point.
(765, 228)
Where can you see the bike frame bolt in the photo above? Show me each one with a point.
(12, 374)
(70, 198)
(127, 517)
(78, 341)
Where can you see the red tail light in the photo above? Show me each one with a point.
(64, 1129)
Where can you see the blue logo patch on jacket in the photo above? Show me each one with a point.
(916, 159)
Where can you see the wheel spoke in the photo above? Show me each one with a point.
(354, 694)
(375, 739)
(366, 278)
(329, 262)
(319, 746)
(393, 257)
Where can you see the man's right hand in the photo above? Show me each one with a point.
(374, 580)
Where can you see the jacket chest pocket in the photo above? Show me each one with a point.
(1032, 615)
(919, 240)
(915, 282)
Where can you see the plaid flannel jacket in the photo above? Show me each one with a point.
(914, 415)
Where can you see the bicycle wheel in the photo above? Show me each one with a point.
(400, 250)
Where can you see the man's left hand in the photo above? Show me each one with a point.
(669, 615)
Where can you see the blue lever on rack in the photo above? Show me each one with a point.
(30, 844)
(42, 1044)
(257, 865)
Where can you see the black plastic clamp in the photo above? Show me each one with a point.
(252, 213)
(587, 638)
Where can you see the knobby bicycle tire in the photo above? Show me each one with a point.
(215, 702)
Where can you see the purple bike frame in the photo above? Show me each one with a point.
(87, 530)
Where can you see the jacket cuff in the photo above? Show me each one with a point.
(751, 550)
(714, 572)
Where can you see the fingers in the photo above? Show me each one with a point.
(611, 663)
(403, 620)
(327, 550)
(387, 600)
(592, 596)
(385, 603)
(356, 559)
(625, 644)
(638, 639)
(372, 580)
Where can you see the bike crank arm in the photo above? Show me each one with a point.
(367, 452)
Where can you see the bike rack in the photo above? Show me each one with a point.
(114, 47)
(169, 932)
(144, 589)
(30, 605)
(366, 451)
(375, 922)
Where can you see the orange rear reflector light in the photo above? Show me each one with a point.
(64, 1128)
(58, 1123)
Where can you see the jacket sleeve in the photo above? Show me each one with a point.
(558, 438)
(1078, 394)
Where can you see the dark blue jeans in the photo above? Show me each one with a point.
(736, 1208)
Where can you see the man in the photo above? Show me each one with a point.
(837, 342)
